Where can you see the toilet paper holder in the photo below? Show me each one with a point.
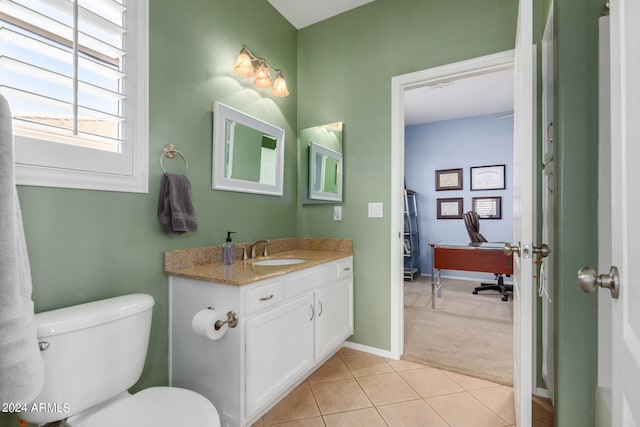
(232, 320)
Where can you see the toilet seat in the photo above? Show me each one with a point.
(153, 407)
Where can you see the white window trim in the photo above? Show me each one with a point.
(138, 136)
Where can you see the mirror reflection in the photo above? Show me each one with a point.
(325, 173)
(321, 164)
(248, 153)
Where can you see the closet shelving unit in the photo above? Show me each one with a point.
(411, 247)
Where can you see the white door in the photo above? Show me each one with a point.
(524, 209)
(625, 196)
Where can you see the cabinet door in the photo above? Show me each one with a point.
(279, 349)
(334, 321)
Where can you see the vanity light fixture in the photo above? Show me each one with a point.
(248, 65)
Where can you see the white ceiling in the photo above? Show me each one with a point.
(302, 13)
(473, 96)
(469, 97)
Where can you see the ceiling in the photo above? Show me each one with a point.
(473, 96)
(302, 13)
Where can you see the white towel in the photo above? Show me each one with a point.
(21, 365)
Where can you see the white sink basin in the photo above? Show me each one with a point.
(279, 261)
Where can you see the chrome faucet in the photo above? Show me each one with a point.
(253, 248)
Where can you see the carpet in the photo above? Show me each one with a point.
(466, 333)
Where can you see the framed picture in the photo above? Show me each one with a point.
(488, 177)
(449, 179)
(450, 208)
(487, 207)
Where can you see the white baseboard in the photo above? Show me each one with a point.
(372, 350)
(542, 392)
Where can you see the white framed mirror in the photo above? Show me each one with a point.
(248, 153)
(325, 173)
(320, 176)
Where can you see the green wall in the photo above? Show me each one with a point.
(87, 245)
(576, 34)
(345, 66)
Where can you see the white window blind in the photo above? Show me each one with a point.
(74, 72)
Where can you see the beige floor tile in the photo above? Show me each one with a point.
(411, 414)
(404, 365)
(361, 364)
(333, 369)
(429, 382)
(298, 404)
(307, 422)
(339, 396)
(467, 382)
(368, 417)
(499, 399)
(464, 410)
(258, 423)
(387, 388)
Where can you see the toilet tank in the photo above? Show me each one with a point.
(92, 352)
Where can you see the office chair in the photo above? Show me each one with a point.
(473, 228)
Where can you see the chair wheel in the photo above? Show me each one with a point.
(505, 298)
(475, 292)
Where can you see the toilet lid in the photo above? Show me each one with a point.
(156, 407)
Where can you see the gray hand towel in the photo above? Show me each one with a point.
(21, 365)
(175, 209)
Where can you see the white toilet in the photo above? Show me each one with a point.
(92, 354)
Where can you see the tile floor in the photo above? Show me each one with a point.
(355, 389)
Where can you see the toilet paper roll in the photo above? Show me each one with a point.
(204, 323)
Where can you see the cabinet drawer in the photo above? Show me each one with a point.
(344, 268)
(307, 280)
(263, 296)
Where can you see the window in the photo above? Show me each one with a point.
(75, 74)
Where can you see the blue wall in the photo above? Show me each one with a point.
(452, 144)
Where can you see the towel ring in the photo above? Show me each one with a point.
(170, 152)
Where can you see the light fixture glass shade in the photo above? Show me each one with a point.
(263, 76)
(279, 86)
(243, 66)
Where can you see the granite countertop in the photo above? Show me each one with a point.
(205, 263)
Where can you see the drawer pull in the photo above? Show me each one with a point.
(266, 298)
(320, 306)
(313, 311)
(347, 268)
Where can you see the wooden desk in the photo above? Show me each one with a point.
(485, 258)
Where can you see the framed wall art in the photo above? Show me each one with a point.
(450, 208)
(488, 177)
(449, 179)
(487, 207)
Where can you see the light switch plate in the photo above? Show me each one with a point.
(337, 213)
(375, 210)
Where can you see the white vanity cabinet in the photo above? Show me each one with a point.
(288, 326)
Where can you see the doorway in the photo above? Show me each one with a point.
(458, 125)
(401, 84)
